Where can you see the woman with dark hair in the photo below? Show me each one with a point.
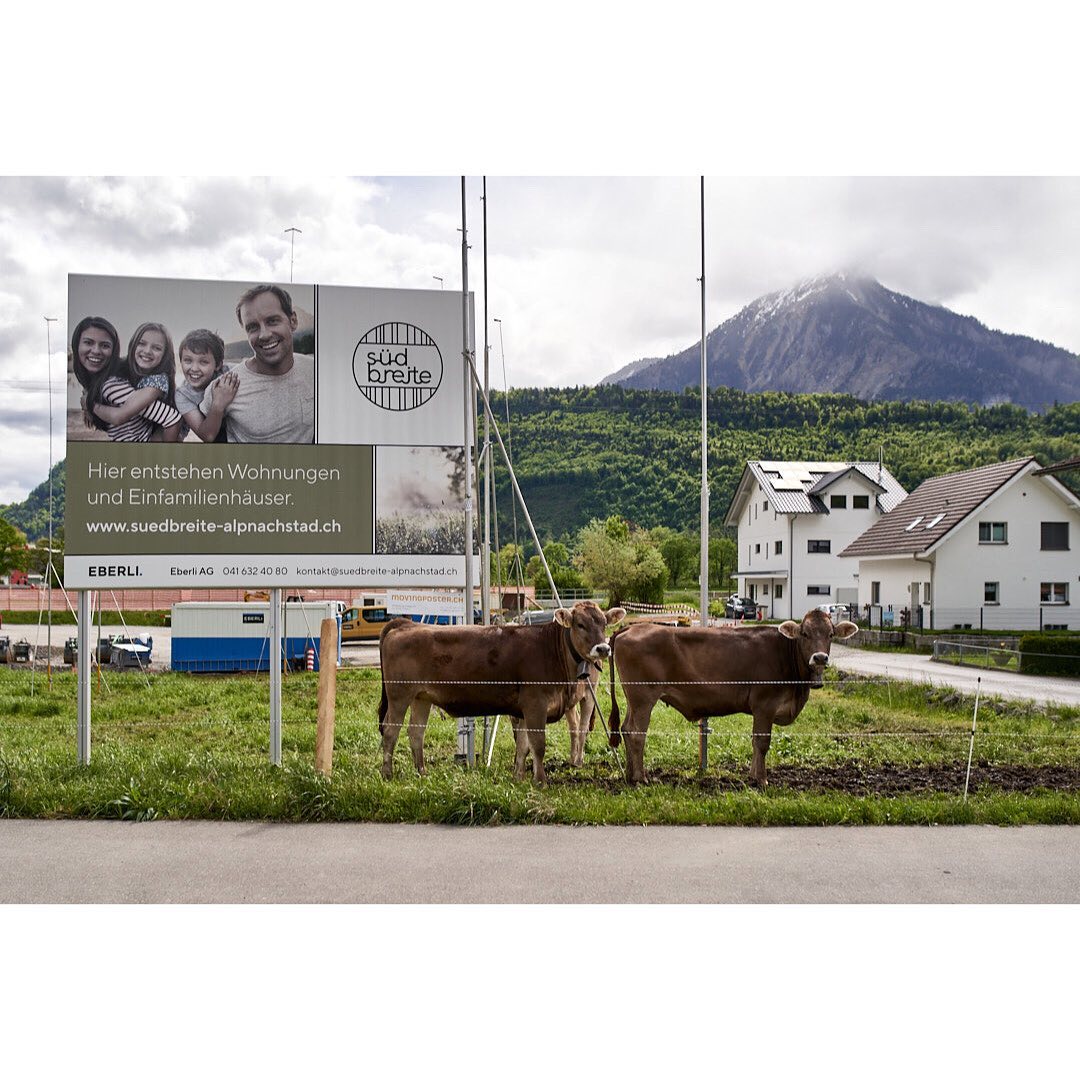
(95, 350)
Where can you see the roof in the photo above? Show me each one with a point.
(934, 509)
(1061, 466)
(795, 487)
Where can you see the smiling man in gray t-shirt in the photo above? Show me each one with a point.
(275, 401)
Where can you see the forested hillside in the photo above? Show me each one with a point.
(589, 452)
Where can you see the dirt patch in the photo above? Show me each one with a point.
(855, 779)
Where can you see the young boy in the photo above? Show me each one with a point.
(202, 360)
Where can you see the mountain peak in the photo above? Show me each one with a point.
(844, 331)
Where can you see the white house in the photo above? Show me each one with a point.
(794, 518)
(994, 547)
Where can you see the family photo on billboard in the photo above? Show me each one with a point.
(256, 387)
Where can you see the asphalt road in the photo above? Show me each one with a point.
(61, 862)
(913, 668)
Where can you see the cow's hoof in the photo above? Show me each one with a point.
(387, 772)
(759, 782)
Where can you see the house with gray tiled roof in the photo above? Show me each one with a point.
(996, 547)
(794, 518)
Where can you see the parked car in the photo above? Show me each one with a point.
(740, 607)
(71, 650)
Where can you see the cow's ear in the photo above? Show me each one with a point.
(615, 614)
(563, 616)
(789, 629)
(844, 630)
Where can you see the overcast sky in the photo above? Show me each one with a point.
(585, 274)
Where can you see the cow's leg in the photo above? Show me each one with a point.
(521, 746)
(418, 718)
(391, 728)
(635, 729)
(535, 725)
(580, 719)
(760, 741)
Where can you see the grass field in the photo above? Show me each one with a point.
(197, 747)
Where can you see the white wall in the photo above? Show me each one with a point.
(962, 565)
(760, 528)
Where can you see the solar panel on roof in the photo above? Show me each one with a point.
(787, 485)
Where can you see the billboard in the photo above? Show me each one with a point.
(224, 434)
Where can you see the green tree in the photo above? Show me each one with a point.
(723, 561)
(13, 551)
(621, 563)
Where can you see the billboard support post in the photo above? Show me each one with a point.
(83, 677)
(327, 697)
(275, 676)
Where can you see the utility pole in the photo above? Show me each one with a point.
(292, 248)
(50, 571)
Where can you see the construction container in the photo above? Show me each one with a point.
(231, 636)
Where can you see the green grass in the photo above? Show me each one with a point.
(197, 747)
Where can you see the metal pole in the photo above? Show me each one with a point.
(517, 488)
(83, 678)
(971, 745)
(275, 676)
(49, 575)
(485, 564)
(703, 733)
(466, 745)
(292, 249)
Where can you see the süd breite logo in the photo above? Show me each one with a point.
(397, 366)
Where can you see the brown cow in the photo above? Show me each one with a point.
(532, 674)
(766, 671)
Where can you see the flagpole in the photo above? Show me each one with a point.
(704, 437)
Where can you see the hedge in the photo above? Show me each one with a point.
(1049, 654)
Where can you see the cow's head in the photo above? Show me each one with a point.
(587, 625)
(813, 637)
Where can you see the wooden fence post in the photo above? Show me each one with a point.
(324, 732)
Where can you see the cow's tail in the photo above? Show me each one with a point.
(614, 738)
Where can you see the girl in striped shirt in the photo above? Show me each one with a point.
(138, 404)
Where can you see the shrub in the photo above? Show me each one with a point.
(1048, 654)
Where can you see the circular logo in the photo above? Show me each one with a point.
(397, 366)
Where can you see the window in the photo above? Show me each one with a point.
(991, 592)
(757, 549)
(838, 502)
(764, 590)
(926, 592)
(908, 528)
(934, 521)
(765, 505)
(1054, 592)
(778, 592)
(1055, 536)
(818, 547)
(818, 590)
(1056, 626)
(993, 532)
(779, 547)
(860, 502)
(875, 592)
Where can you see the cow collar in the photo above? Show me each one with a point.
(583, 663)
